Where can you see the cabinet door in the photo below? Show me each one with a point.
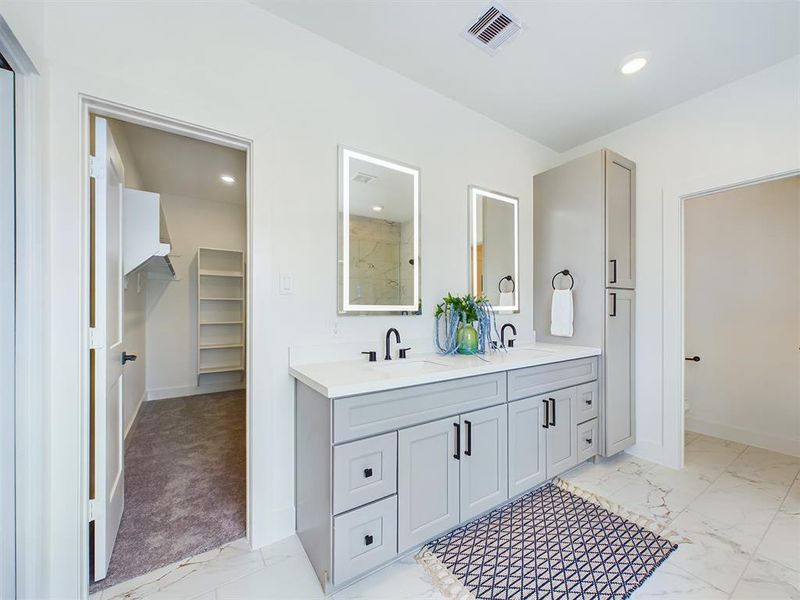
(562, 440)
(484, 460)
(620, 221)
(619, 401)
(427, 481)
(526, 444)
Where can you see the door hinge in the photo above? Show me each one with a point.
(91, 509)
(95, 167)
(96, 339)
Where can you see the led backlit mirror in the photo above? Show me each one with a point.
(378, 235)
(494, 248)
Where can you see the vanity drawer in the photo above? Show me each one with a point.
(588, 401)
(364, 471)
(587, 440)
(363, 539)
(361, 416)
(532, 381)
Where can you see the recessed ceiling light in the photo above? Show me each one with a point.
(634, 63)
(227, 179)
(377, 208)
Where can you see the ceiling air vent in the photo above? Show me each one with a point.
(493, 28)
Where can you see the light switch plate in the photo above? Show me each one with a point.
(285, 284)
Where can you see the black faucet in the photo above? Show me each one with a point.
(503, 335)
(389, 342)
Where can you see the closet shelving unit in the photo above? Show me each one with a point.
(221, 292)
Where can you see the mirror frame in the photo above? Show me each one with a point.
(474, 192)
(343, 256)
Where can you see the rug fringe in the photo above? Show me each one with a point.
(447, 583)
(644, 522)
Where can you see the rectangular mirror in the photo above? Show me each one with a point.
(494, 248)
(379, 206)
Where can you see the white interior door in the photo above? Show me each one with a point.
(108, 346)
(7, 505)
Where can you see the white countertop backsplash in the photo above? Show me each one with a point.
(337, 370)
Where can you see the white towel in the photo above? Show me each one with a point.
(506, 299)
(561, 313)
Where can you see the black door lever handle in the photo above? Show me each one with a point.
(128, 357)
(693, 358)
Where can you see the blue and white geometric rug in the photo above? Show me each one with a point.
(556, 542)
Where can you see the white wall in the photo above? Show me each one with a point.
(296, 96)
(744, 130)
(172, 305)
(743, 314)
(134, 387)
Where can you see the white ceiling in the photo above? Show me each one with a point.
(391, 189)
(558, 82)
(183, 166)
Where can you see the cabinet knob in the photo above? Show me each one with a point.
(588, 402)
(589, 441)
(368, 472)
(367, 540)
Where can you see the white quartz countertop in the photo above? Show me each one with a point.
(353, 377)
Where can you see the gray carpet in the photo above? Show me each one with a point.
(185, 483)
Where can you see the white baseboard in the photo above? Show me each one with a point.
(768, 441)
(135, 414)
(194, 390)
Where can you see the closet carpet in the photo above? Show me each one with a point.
(185, 483)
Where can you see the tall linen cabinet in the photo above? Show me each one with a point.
(584, 221)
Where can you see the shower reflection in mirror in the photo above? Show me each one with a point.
(494, 248)
(379, 209)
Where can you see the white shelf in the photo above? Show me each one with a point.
(221, 312)
(229, 369)
(219, 346)
(216, 273)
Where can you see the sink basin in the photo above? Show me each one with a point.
(410, 366)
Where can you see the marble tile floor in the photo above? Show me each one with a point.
(738, 505)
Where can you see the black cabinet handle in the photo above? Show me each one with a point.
(613, 296)
(367, 540)
(128, 357)
(553, 415)
(693, 358)
(457, 454)
(468, 451)
(613, 262)
(368, 472)
(588, 441)
(588, 402)
(546, 423)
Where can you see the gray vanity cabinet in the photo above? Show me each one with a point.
(562, 435)
(427, 481)
(619, 413)
(483, 460)
(527, 451)
(620, 200)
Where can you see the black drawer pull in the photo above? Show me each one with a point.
(589, 441)
(588, 402)
(457, 454)
(613, 262)
(368, 472)
(367, 540)
(546, 423)
(468, 451)
(553, 415)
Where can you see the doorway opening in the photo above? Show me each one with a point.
(168, 361)
(742, 322)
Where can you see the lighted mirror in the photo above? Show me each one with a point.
(378, 235)
(494, 248)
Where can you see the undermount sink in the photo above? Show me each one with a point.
(409, 366)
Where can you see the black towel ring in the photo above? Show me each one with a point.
(565, 273)
(506, 278)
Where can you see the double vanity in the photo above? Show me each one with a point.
(392, 454)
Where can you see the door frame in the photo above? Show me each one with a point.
(29, 426)
(673, 205)
(105, 108)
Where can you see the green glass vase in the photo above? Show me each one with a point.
(467, 340)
